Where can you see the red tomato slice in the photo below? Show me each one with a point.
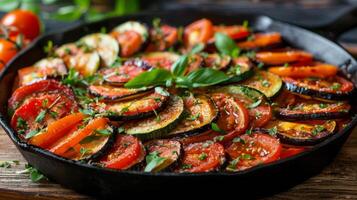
(122, 74)
(202, 157)
(126, 152)
(235, 32)
(233, 116)
(47, 86)
(130, 42)
(261, 40)
(163, 39)
(280, 58)
(290, 151)
(252, 150)
(53, 107)
(8, 50)
(198, 32)
(260, 116)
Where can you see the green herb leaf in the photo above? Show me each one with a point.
(216, 128)
(153, 160)
(179, 67)
(226, 45)
(201, 78)
(162, 91)
(255, 104)
(104, 132)
(151, 78)
(197, 48)
(41, 116)
(31, 134)
(273, 131)
(35, 175)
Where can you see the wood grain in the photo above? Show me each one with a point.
(336, 181)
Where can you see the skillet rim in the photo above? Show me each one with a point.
(45, 153)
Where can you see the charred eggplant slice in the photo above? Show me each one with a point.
(160, 59)
(241, 68)
(162, 155)
(137, 108)
(110, 93)
(307, 111)
(106, 46)
(118, 76)
(333, 88)
(217, 61)
(133, 26)
(160, 124)
(200, 112)
(267, 83)
(303, 133)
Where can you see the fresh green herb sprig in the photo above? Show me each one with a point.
(34, 174)
(153, 160)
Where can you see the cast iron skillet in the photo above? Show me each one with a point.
(261, 180)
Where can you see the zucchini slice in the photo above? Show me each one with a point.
(333, 88)
(110, 93)
(81, 58)
(201, 112)
(136, 108)
(308, 111)
(118, 76)
(106, 46)
(169, 151)
(133, 26)
(161, 59)
(217, 61)
(302, 133)
(240, 69)
(159, 125)
(266, 82)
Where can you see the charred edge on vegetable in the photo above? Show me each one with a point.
(309, 116)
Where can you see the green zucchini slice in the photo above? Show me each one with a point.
(159, 125)
(266, 82)
(111, 93)
(201, 112)
(106, 46)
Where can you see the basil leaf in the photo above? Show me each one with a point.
(197, 48)
(202, 77)
(31, 134)
(41, 116)
(151, 78)
(226, 45)
(216, 128)
(178, 68)
(153, 160)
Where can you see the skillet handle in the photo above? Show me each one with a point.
(334, 29)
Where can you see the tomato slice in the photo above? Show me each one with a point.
(77, 135)
(202, 157)
(198, 32)
(44, 86)
(8, 50)
(126, 152)
(321, 70)
(287, 152)
(37, 112)
(130, 42)
(260, 115)
(56, 130)
(122, 74)
(233, 116)
(261, 40)
(235, 32)
(280, 58)
(251, 150)
(163, 38)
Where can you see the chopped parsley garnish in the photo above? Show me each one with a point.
(336, 86)
(323, 105)
(238, 139)
(202, 156)
(153, 160)
(186, 166)
(317, 129)
(273, 131)
(216, 128)
(193, 117)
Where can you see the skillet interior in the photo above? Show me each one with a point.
(106, 182)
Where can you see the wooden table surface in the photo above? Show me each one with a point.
(336, 181)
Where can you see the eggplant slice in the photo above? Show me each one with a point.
(106, 46)
(159, 125)
(110, 93)
(138, 108)
(169, 151)
(266, 82)
(336, 88)
(301, 133)
(200, 113)
(216, 61)
(308, 111)
(240, 69)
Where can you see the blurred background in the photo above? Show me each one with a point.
(312, 14)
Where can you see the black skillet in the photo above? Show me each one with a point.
(258, 181)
